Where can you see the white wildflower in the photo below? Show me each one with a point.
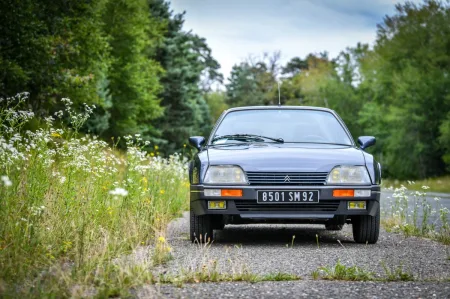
(425, 187)
(59, 114)
(49, 120)
(66, 101)
(6, 181)
(37, 211)
(62, 179)
(119, 192)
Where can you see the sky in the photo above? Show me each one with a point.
(235, 29)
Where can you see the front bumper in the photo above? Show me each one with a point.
(247, 207)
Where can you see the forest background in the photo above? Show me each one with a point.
(147, 76)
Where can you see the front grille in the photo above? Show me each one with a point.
(287, 178)
(253, 206)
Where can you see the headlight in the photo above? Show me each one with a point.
(225, 175)
(357, 175)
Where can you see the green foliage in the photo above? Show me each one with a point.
(397, 91)
(188, 64)
(52, 50)
(130, 58)
(216, 103)
(397, 273)
(399, 218)
(342, 272)
(294, 67)
(71, 206)
(281, 277)
(133, 76)
(147, 76)
(254, 82)
(444, 139)
(412, 54)
(436, 184)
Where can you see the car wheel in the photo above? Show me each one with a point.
(201, 229)
(366, 228)
(334, 226)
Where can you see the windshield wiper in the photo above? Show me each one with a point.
(328, 143)
(247, 137)
(229, 144)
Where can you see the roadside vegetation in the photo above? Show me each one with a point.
(354, 273)
(147, 75)
(208, 272)
(70, 204)
(437, 184)
(342, 272)
(409, 212)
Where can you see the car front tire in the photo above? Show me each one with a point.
(366, 228)
(201, 228)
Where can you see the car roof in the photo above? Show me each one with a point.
(273, 107)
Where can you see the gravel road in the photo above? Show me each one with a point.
(309, 289)
(267, 249)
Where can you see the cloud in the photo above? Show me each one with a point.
(236, 28)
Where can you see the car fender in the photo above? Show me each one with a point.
(373, 167)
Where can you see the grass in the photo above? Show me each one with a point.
(397, 273)
(355, 273)
(208, 272)
(438, 184)
(342, 272)
(247, 276)
(280, 277)
(71, 204)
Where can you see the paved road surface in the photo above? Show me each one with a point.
(266, 249)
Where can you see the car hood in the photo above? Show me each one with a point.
(285, 158)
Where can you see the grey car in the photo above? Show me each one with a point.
(283, 164)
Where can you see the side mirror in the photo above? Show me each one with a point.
(197, 141)
(366, 141)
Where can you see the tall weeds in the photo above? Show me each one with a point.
(70, 203)
(411, 213)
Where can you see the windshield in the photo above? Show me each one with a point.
(302, 126)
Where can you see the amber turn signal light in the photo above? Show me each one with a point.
(343, 193)
(231, 192)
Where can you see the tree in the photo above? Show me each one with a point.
(305, 86)
(133, 76)
(216, 104)
(294, 67)
(52, 49)
(412, 62)
(187, 61)
(254, 81)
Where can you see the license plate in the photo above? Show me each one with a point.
(287, 196)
